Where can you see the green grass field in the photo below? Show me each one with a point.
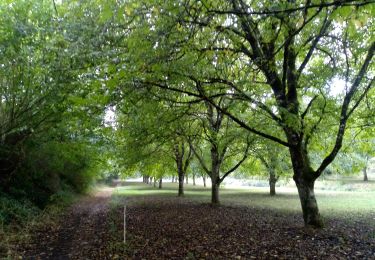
(335, 203)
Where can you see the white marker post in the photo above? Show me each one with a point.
(124, 224)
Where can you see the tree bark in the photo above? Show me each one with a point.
(180, 183)
(172, 178)
(215, 175)
(215, 192)
(272, 182)
(311, 215)
(160, 183)
(304, 177)
(365, 177)
(204, 181)
(182, 162)
(194, 179)
(186, 179)
(272, 188)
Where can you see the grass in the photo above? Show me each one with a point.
(332, 203)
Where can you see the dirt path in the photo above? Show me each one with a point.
(80, 234)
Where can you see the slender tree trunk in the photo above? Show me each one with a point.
(204, 181)
(151, 180)
(215, 175)
(147, 179)
(215, 192)
(186, 179)
(180, 183)
(154, 182)
(194, 179)
(160, 183)
(365, 177)
(180, 172)
(272, 182)
(172, 178)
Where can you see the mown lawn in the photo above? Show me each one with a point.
(331, 202)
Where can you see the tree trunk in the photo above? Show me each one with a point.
(154, 182)
(272, 182)
(215, 175)
(173, 179)
(160, 183)
(181, 184)
(215, 192)
(304, 177)
(365, 177)
(147, 179)
(272, 188)
(204, 181)
(310, 209)
(150, 181)
(194, 179)
(186, 179)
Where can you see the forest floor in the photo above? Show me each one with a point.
(162, 226)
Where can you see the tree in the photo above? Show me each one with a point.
(275, 160)
(153, 130)
(224, 141)
(283, 58)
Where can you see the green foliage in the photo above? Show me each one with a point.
(51, 168)
(15, 211)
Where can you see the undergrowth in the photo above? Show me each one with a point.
(18, 219)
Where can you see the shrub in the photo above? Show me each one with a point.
(15, 211)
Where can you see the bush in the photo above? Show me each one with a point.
(15, 211)
(51, 168)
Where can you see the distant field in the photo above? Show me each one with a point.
(332, 202)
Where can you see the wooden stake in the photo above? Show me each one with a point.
(124, 224)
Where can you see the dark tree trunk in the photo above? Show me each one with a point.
(150, 181)
(147, 179)
(215, 192)
(304, 177)
(204, 181)
(272, 182)
(173, 179)
(160, 183)
(272, 188)
(365, 177)
(180, 172)
(182, 162)
(180, 183)
(194, 179)
(311, 215)
(215, 175)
